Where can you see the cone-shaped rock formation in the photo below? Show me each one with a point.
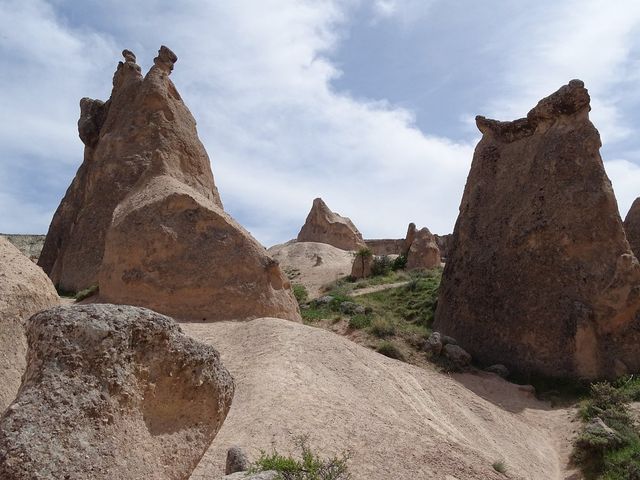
(632, 226)
(540, 276)
(143, 218)
(423, 252)
(324, 226)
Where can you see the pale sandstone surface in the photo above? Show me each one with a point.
(540, 276)
(324, 226)
(29, 245)
(112, 392)
(313, 264)
(423, 252)
(399, 421)
(24, 290)
(190, 260)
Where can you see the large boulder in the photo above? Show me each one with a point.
(324, 226)
(174, 251)
(423, 252)
(632, 227)
(540, 276)
(24, 290)
(112, 392)
(143, 218)
(143, 129)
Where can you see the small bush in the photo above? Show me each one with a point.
(399, 263)
(359, 321)
(308, 467)
(381, 266)
(86, 293)
(388, 349)
(382, 327)
(300, 292)
(499, 467)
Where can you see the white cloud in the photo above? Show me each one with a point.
(625, 178)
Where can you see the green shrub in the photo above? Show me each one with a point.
(65, 293)
(86, 293)
(499, 467)
(300, 292)
(388, 349)
(382, 327)
(359, 321)
(381, 266)
(399, 263)
(308, 467)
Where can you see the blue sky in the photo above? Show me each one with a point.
(368, 104)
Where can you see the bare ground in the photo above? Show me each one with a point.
(398, 421)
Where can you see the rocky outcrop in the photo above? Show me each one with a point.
(24, 290)
(423, 252)
(143, 130)
(382, 247)
(632, 227)
(112, 392)
(443, 242)
(540, 276)
(324, 226)
(143, 218)
(29, 245)
(362, 264)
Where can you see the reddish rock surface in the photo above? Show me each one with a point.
(324, 226)
(540, 276)
(423, 252)
(632, 227)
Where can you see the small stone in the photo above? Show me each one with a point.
(457, 355)
(434, 344)
(498, 369)
(237, 460)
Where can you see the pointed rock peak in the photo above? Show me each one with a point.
(569, 100)
(325, 226)
(165, 59)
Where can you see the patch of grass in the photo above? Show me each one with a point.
(388, 349)
(309, 466)
(359, 321)
(500, 467)
(86, 293)
(382, 327)
(300, 292)
(608, 447)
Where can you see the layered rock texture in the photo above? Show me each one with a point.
(143, 218)
(540, 276)
(632, 226)
(24, 290)
(112, 392)
(423, 252)
(324, 226)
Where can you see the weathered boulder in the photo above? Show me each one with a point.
(362, 264)
(424, 251)
(324, 226)
(540, 276)
(237, 461)
(174, 251)
(457, 355)
(143, 130)
(112, 392)
(24, 290)
(632, 227)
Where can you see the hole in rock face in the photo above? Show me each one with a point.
(174, 403)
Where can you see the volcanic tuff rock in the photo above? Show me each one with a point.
(29, 245)
(632, 226)
(424, 251)
(324, 226)
(143, 130)
(112, 392)
(540, 276)
(362, 266)
(24, 290)
(143, 218)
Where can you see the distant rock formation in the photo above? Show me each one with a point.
(324, 226)
(540, 276)
(29, 245)
(385, 246)
(632, 227)
(423, 252)
(362, 264)
(112, 392)
(143, 218)
(443, 242)
(24, 290)
(409, 238)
